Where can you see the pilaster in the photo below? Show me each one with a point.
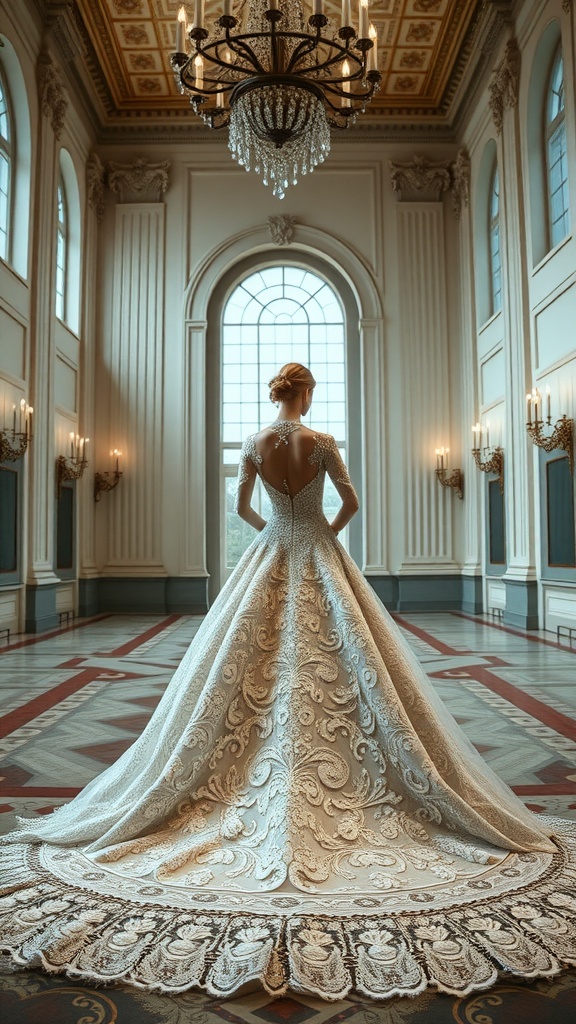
(472, 564)
(424, 420)
(87, 563)
(132, 371)
(41, 608)
(374, 445)
(521, 571)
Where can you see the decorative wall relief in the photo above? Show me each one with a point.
(281, 228)
(139, 182)
(51, 92)
(95, 182)
(504, 84)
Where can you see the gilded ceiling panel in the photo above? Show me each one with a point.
(420, 51)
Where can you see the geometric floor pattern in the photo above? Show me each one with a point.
(73, 700)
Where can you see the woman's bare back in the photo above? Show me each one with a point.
(285, 449)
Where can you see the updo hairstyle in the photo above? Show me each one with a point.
(290, 382)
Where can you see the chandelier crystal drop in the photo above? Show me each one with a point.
(278, 82)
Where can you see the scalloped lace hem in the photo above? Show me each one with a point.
(529, 932)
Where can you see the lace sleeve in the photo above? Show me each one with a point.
(326, 451)
(246, 471)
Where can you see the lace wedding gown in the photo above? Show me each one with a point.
(300, 811)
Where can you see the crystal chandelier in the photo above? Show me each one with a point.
(277, 86)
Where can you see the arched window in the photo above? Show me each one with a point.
(556, 156)
(6, 143)
(61, 253)
(277, 315)
(494, 231)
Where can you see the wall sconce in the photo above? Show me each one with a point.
(71, 467)
(110, 479)
(487, 458)
(561, 436)
(456, 478)
(13, 443)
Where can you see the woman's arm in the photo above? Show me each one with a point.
(339, 476)
(246, 481)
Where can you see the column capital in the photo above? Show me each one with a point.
(432, 178)
(139, 182)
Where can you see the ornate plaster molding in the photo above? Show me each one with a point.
(51, 92)
(421, 175)
(95, 180)
(281, 228)
(566, 5)
(434, 178)
(140, 182)
(504, 84)
(460, 171)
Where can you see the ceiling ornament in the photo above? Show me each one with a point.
(282, 228)
(278, 82)
(140, 182)
(434, 178)
(95, 183)
(51, 92)
(504, 84)
(566, 5)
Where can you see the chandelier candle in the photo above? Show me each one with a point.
(346, 13)
(181, 30)
(363, 20)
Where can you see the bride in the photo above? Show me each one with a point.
(301, 811)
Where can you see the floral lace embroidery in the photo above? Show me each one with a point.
(299, 754)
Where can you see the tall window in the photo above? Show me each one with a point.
(495, 258)
(5, 170)
(61, 253)
(556, 156)
(278, 315)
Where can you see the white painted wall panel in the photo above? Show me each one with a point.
(493, 377)
(554, 326)
(65, 385)
(12, 345)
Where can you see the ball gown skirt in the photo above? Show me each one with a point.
(301, 811)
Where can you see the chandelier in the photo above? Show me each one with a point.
(277, 82)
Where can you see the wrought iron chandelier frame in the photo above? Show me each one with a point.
(312, 77)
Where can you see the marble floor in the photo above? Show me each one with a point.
(71, 701)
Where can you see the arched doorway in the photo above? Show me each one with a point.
(265, 312)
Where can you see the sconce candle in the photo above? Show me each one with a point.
(110, 479)
(529, 408)
(562, 434)
(14, 443)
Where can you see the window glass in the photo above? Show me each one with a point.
(276, 316)
(5, 171)
(495, 258)
(556, 155)
(61, 243)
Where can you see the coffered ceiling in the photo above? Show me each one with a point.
(427, 53)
